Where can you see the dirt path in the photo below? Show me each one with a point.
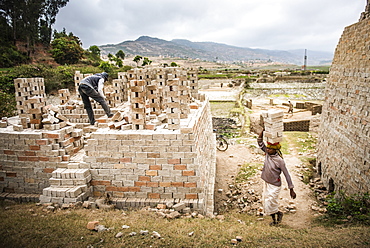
(228, 164)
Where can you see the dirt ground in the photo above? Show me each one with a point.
(229, 162)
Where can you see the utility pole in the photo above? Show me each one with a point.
(305, 60)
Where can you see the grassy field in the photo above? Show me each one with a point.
(28, 225)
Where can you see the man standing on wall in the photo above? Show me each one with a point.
(273, 166)
(92, 86)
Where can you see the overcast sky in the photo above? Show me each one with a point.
(267, 24)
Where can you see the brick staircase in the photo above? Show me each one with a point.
(67, 186)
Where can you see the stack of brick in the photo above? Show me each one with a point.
(67, 186)
(29, 156)
(30, 93)
(172, 102)
(78, 77)
(193, 83)
(75, 113)
(273, 123)
(138, 104)
(64, 96)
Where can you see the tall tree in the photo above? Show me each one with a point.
(66, 49)
(31, 20)
(120, 54)
(48, 18)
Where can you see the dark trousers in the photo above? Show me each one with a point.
(86, 92)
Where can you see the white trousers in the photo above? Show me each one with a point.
(271, 198)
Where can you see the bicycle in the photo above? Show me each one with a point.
(221, 143)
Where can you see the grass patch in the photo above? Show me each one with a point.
(221, 108)
(27, 225)
(301, 141)
(247, 171)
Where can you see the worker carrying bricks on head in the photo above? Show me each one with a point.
(92, 86)
(274, 164)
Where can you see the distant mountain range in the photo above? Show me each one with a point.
(209, 51)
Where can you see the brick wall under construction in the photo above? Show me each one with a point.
(168, 154)
(343, 157)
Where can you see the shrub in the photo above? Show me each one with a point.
(354, 207)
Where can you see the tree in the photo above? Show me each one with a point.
(30, 21)
(111, 57)
(106, 66)
(94, 53)
(66, 49)
(120, 54)
(49, 12)
(146, 61)
(137, 59)
(173, 64)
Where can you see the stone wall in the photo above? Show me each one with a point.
(343, 157)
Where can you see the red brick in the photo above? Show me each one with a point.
(111, 188)
(48, 170)
(11, 174)
(155, 167)
(190, 185)
(144, 178)
(35, 121)
(44, 158)
(125, 160)
(174, 161)
(152, 184)
(34, 147)
(9, 152)
(140, 184)
(179, 167)
(177, 184)
(33, 158)
(133, 189)
(22, 158)
(164, 184)
(188, 173)
(123, 189)
(154, 196)
(191, 196)
(100, 182)
(53, 135)
(151, 173)
(30, 153)
(42, 142)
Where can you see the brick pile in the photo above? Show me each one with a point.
(67, 186)
(30, 94)
(274, 127)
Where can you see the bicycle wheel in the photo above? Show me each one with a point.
(221, 144)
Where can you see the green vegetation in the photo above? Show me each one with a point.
(348, 208)
(221, 108)
(247, 171)
(66, 49)
(27, 225)
(28, 23)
